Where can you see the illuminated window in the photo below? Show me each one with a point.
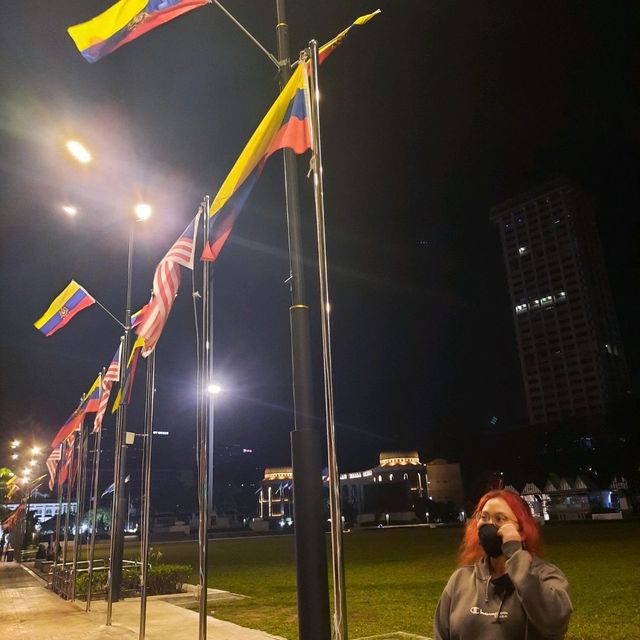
(521, 308)
(523, 251)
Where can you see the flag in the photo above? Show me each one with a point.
(52, 465)
(111, 375)
(13, 487)
(91, 400)
(111, 487)
(72, 423)
(9, 522)
(68, 459)
(72, 300)
(124, 22)
(129, 375)
(284, 126)
(166, 281)
(138, 316)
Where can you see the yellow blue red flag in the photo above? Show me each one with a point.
(67, 304)
(125, 21)
(284, 126)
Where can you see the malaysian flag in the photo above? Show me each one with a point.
(52, 465)
(166, 281)
(111, 375)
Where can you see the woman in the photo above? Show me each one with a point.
(503, 589)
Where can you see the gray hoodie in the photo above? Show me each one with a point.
(530, 602)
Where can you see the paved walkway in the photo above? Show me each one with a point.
(30, 611)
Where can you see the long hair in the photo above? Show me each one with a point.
(470, 549)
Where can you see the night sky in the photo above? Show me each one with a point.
(431, 114)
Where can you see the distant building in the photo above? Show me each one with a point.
(576, 498)
(565, 323)
(390, 491)
(46, 510)
(445, 482)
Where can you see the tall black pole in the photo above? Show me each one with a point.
(120, 503)
(310, 550)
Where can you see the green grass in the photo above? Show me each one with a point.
(395, 577)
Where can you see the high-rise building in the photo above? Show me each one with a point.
(565, 323)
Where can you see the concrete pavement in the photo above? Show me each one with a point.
(30, 611)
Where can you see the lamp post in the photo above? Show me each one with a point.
(142, 212)
(213, 390)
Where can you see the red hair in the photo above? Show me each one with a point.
(470, 549)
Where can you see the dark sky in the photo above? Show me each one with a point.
(431, 114)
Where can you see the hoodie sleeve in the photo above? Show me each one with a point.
(542, 589)
(443, 611)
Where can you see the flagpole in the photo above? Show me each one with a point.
(117, 520)
(66, 519)
(63, 449)
(144, 524)
(94, 513)
(203, 441)
(340, 600)
(79, 500)
(311, 559)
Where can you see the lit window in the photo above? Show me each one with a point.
(535, 303)
(521, 308)
(522, 251)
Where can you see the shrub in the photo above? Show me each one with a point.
(161, 579)
(167, 578)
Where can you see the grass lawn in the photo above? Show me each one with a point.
(395, 577)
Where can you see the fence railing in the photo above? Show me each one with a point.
(64, 578)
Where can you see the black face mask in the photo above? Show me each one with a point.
(490, 541)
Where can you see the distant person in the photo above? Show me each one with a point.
(503, 589)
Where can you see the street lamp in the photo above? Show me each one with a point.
(70, 210)
(142, 211)
(78, 151)
(214, 389)
(15, 444)
(36, 450)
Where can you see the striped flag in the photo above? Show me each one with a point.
(52, 465)
(68, 459)
(166, 281)
(111, 375)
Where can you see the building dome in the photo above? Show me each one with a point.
(399, 458)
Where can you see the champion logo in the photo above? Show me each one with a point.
(478, 611)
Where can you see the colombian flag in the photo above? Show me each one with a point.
(284, 126)
(72, 300)
(92, 398)
(124, 22)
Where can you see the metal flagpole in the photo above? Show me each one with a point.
(94, 512)
(310, 550)
(340, 601)
(66, 517)
(79, 501)
(144, 524)
(115, 498)
(203, 442)
(63, 450)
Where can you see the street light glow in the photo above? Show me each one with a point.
(78, 151)
(214, 389)
(36, 450)
(14, 456)
(143, 211)
(69, 209)
(15, 444)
